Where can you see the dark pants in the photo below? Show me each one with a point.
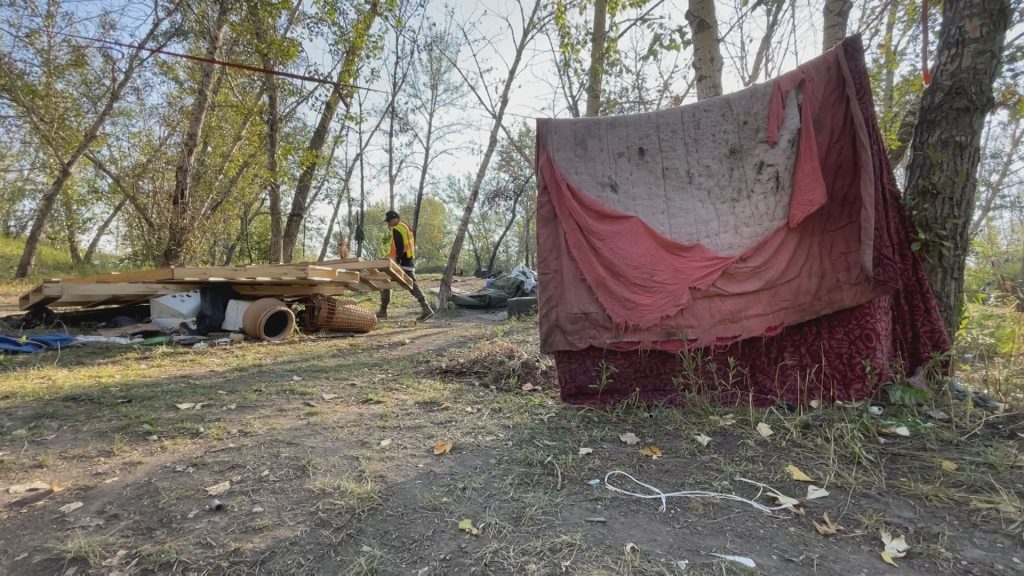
(409, 267)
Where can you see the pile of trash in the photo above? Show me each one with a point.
(520, 283)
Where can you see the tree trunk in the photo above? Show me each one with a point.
(526, 35)
(181, 219)
(342, 91)
(71, 235)
(497, 245)
(330, 223)
(423, 172)
(707, 54)
(836, 13)
(996, 185)
(49, 199)
(90, 251)
(273, 130)
(598, 38)
(942, 171)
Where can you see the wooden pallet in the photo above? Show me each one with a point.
(287, 281)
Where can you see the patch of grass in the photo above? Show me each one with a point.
(156, 556)
(357, 497)
(547, 555)
(91, 548)
(365, 565)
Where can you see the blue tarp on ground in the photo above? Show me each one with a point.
(28, 344)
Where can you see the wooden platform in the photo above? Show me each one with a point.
(286, 281)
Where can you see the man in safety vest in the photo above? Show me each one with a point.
(403, 252)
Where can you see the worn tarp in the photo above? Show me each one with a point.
(726, 219)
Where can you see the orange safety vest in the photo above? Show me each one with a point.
(406, 233)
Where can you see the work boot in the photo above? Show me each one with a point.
(426, 314)
(382, 314)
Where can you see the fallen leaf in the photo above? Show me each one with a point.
(442, 447)
(31, 487)
(296, 378)
(218, 489)
(528, 387)
(815, 404)
(894, 547)
(813, 492)
(765, 430)
(585, 451)
(938, 415)
(740, 559)
(326, 396)
(948, 465)
(385, 443)
(68, 508)
(185, 405)
(466, 525)
(827, 527)
(653, 451)
(702, 439)
(629, 438)
(798, 474)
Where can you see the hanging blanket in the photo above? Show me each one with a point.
(708, 230)
(726, 219)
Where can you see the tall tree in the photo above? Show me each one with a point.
(181, 197)
(434, 92)
(942, 170)
(598, 38)
(342, 91)
(836, 14)
(707, 54)
(16, 92)
(532, 21)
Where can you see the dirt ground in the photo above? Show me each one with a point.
(324, 450)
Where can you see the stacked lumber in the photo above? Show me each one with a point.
(283, 281)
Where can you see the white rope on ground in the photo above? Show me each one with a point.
(663, 496)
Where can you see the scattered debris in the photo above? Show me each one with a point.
(325, 396)
(894, 547)
(798, 474)
(813, 492)
(702, 439)
(827, 527)
(653, 451)
(503, 365)
(585, 451)
(385, 443)
(738, 559)
(31, 487)
(218, 489)
(765, 430)
(595, 519)
(466, 525)
(68, 508)
(216, 506)
(629, 438)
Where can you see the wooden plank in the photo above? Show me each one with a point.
(304, 271)
(156, 275)
(290, 291)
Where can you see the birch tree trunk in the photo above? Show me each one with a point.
(94, 244)
(707, 53)
(836, 14)
(598, 39)
(946, 149)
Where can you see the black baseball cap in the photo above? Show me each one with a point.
(390, 214)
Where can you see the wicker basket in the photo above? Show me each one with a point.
(328, 313)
